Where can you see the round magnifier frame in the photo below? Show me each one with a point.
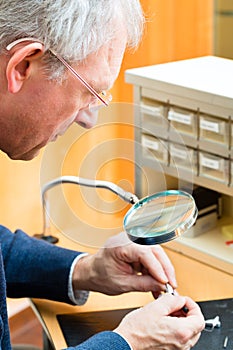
(161, 237)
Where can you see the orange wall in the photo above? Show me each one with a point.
(175, 30)
(20, 194)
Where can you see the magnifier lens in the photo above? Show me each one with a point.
(159, 218)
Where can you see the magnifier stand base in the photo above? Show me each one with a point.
(49, 238)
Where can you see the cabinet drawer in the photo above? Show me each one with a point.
(184, 121)
(214, 167)
(155, 148)
(184, 157)
(154, 117)
(214, 130)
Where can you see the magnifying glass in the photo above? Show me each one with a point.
(161, 217)
(155, 219)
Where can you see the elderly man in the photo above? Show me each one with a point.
(58, 59)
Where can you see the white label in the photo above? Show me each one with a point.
(210, 163)
(150, 144)
(180, 117)
(210, 126)
(178, 153)
(155, 111)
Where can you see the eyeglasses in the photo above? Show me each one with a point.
(104, 97)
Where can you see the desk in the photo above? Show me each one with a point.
(207, 283)
(46, 311)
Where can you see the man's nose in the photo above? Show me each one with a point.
(87, 118)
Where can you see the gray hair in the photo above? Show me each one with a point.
(73, 28)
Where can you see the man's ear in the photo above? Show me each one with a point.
(19, 65)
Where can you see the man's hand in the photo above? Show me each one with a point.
(122, 266)
(163, 325)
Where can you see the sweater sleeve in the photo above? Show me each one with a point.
(35, 268)
(103, 341)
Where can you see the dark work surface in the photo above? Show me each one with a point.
(214, 340)
(78, 327)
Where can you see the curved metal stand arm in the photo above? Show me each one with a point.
(126, 196)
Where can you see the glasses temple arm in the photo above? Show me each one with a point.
(84, 82)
